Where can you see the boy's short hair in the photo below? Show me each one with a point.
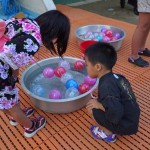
(102, 53)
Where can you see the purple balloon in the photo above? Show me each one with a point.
(89, 80)
(117, 35)
(55, 94)
(103, 30)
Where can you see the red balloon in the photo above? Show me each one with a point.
(84, 87)
(113, 38)
(109, 33)
(79, 65)
(59, 71)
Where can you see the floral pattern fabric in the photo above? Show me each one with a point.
(25, 40)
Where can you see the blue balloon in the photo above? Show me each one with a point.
(71, 83)
(39, 91)
(99, 38)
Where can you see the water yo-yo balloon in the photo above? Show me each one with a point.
(59, 71)
(88, 34)
(103, 30)
(109, 33)
(99, 38)
(79, 65)
(39, 91)
(89, 80)
(83, 88)
(71, 83)
(106, 39)
(48, 72)
(65, 64)
(71, 92)
(102, 34)
(55, 94)
(96, 34)
(65, 77)
(117, 35)
(91, 36)
(113, 38)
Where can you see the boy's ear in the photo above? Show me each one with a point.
(98, 67)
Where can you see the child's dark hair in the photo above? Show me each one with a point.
(54, 25)
(102, 53)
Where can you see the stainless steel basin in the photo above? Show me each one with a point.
(50, 105)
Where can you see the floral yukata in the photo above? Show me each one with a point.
(24, 41)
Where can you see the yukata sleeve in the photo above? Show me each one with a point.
(114, 109)
(20, 50)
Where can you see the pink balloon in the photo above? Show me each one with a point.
(55, 94)
(106, 39)
(48, 72)
(113, 38)
(89, 80)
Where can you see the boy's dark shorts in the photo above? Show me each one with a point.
(123, 128)
(100, 118)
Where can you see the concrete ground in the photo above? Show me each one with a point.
(109, 8)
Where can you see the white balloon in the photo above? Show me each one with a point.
(65, 64)
(65, 77)
(71, 92)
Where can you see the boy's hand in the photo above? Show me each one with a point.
(93, 103)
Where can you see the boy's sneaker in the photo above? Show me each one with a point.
(28, 112)
(100, 134)
(38, 124)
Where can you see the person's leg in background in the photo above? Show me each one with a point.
(140, 35)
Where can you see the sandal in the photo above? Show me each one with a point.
(95, 132)
(146, 52)
(100, 134)
(139, 62)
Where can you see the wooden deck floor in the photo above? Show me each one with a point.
(71, 131)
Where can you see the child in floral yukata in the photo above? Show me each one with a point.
(24, 38)
(115, 109)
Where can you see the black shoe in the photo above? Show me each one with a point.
(146, 52)
(139, 62)
(38, 124)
